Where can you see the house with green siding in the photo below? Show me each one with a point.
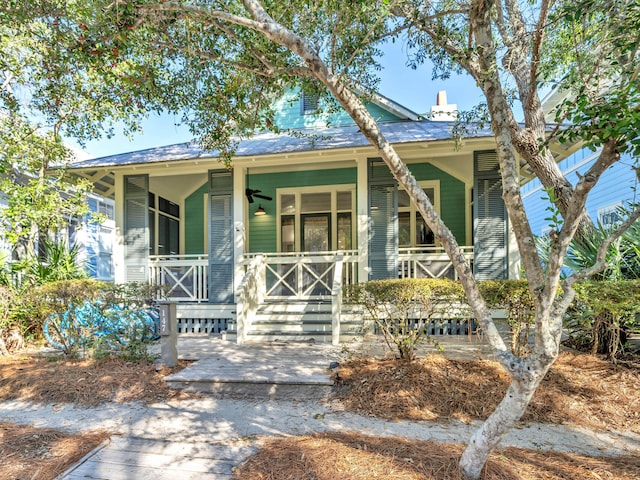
(260, 250)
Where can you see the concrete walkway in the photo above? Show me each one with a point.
(205, 438)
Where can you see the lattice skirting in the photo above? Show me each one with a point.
(203, 325)
(455, 326)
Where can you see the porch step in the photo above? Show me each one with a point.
(300, 322)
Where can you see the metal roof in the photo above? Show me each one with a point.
(266, 143)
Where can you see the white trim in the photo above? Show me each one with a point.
(297, 192)
(435, 185)
(606, 210)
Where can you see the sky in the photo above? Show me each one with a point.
(413, 89)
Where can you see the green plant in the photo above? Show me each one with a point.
(602, 314)
(402, 309)
(514, 297)
(58, 262)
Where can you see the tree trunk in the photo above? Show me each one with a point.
(519, 394)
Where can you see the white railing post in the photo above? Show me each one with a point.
(249, 297)
(336, 300)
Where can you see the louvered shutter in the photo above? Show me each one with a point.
(490, 225)
(383, 230)
(221, 237)
(136, 227)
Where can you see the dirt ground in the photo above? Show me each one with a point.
(580, 390)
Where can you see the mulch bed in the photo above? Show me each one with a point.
(88, 383)
(360, 457)
(579, 389)
(41, 454)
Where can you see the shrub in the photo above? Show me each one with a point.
(403, 308)
(602, 314)
(32, 307)
(514, 297)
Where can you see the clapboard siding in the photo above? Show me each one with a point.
(452, 197)
(615, 185)
(287, 114)
(194, 223)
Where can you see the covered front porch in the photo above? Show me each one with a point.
(283, 296)
(260, 251)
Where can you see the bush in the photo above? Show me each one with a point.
(403, 308)
(37, 304)
(602, 315)
(514, 297)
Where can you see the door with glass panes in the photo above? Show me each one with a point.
(315, 220)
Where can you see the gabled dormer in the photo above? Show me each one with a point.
(297, 109)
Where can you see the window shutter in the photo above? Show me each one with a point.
(490, 225)
(221, 237)
(136, 228)
(383, 218)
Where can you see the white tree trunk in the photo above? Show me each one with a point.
(519, 394)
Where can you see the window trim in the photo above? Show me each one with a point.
(309, 104)
(412, 209)
(298, 192)
(607, 210)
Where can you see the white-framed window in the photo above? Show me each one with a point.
(316, 219)
(412, 229)
(609, 215)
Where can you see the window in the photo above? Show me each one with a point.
(164, 226)
(412, 230)
(316, 219)
(610, 215)
(309, 104)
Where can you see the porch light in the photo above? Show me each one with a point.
(260, 211)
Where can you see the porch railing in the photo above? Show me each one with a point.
(185, 277)
(299, 276)
(428, 262)
(305, 275)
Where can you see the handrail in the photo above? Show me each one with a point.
(336, 301)
(249, 296)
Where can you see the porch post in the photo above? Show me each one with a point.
(119, 275)
(238, 227)
(362, 208)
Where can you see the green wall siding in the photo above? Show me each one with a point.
(452, 197)
(262, 229)
(262, 236)
(194, 224)
(287, 114)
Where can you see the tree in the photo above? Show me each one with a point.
(222, 62)
(38, 202)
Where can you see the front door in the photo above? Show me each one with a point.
(316, 238)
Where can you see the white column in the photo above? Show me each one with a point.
(363, 219)
(239, 231)
(119, 272)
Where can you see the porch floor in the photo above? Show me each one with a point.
(286, 369)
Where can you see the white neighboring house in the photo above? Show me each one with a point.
(95, 241)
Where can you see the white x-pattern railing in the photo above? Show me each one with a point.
(185, 277)
(300, 275)
(305, 275)
(428, 262)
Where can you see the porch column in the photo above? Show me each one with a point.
(119, 275)
(362, 209)
(238, 227)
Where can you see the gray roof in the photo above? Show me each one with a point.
(269, 143)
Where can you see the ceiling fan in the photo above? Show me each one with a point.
(250, 193)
